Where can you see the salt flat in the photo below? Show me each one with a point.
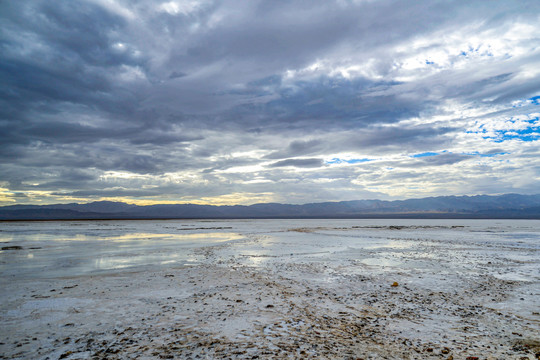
(243, 289)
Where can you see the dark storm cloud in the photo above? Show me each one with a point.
(60, 132)
(330, 104)
(59, 51)
(198, 89)
(298, 148)
(110, 193)
(369, 140)
(444, 159)
(302, 163)
(405, 137)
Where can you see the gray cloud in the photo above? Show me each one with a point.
(302, 163)
(136, 99)
(297, 148)
(445, 159)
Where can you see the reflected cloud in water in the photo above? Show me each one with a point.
(77, 254)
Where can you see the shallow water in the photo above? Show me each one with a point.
(58, 249)
(73, 248)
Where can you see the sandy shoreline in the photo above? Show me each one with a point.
(244, 300)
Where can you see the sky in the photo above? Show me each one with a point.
(242, 102)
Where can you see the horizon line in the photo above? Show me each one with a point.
(165, 202)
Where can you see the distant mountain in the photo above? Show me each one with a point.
(512, 206)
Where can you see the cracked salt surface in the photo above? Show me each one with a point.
(243, 289)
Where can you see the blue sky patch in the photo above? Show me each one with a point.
(347, 161)
(429, 153)
(535, 100)
(531, 133)
(476, 153)
(473, 153)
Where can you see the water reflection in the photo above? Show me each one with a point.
(383, 243)
(109, 263)
(380, 261)
(76, 254)
(73, 248)
(205, 237)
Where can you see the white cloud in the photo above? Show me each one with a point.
(184, 7)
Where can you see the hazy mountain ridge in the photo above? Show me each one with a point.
(480, 206)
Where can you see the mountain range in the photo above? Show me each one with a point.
(511, 206)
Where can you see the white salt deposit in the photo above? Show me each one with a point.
(270, 289)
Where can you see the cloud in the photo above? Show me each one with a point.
(192, 99)
(297, 148)
(301, 163)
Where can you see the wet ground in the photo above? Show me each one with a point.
(327, 289)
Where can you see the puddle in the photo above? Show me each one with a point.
(83, 254)
(380, 262)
